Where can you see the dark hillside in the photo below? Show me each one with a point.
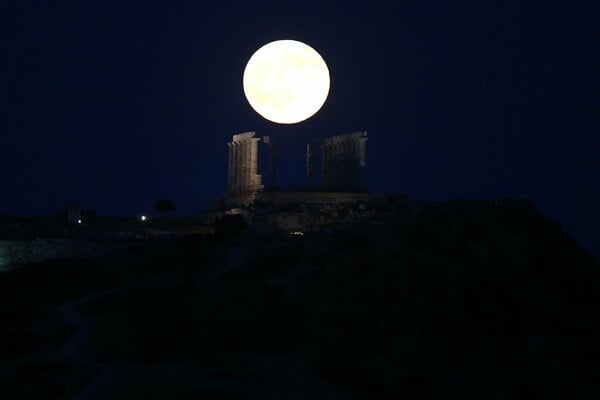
(463, 299)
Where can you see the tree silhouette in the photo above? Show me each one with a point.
(164, 206)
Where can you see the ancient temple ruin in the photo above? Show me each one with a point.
(343, 161)
(243, 164)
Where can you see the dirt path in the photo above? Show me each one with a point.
(276, 370)
(71, 348)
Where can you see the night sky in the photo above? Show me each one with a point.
(114, 104)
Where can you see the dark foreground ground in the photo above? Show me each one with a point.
(470, 300)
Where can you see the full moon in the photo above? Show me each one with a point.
(286, 81)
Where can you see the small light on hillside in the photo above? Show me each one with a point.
(79, 221)
(143, 218)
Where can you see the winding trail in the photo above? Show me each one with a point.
(68, 311)
(71, 348)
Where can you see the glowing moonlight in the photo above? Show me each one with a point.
(286, 81)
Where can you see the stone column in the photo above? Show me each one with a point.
(235, 182)
(238, 165)
(325, 164)
(362, 161)
(353, 170)
(253, 176)
(230, 168)
(334, 170)
(273, 165)
(349, 165)
(245, 164)
(310, 167)
(342, 162)
(233, 166)
(241, 149)
(362, 151)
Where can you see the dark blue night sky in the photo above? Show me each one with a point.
(113, 104)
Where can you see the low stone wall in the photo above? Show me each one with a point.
(317, 197)
(288, 197)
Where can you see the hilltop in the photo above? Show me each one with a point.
(475, 299)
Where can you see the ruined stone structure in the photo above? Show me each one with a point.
(344, 161)
(310, 167)
(243, 164)
(273, 160)
(343, 165)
